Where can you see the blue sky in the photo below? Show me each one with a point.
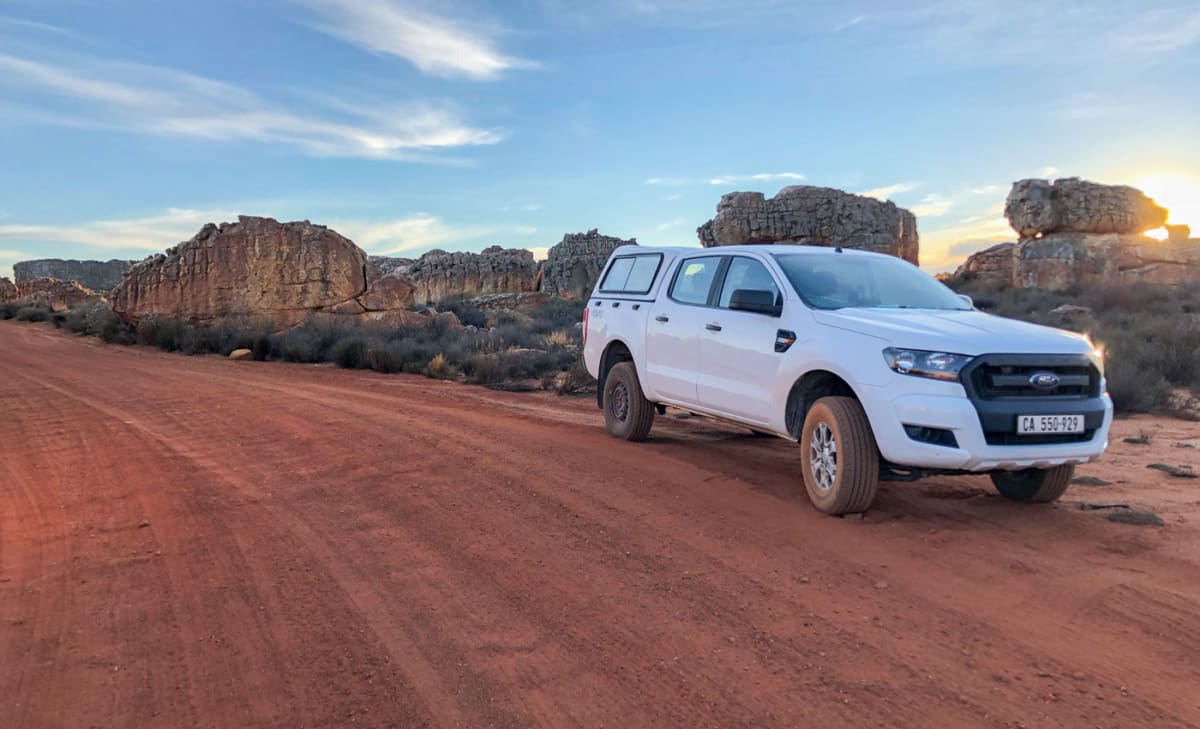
(409, 124)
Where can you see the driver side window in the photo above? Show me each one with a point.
(747, 273)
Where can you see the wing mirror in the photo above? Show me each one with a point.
(755, 300)
(967, 300)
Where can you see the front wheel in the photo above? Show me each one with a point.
(840, 460)
(1034, 485)
(627, 412)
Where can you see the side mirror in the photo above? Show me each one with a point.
(755, 300)
(967, 300)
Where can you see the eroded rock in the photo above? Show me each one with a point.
(814, 216)
(8, 290)
(256, 267)
(574, 263)
(1063, 260)
(94, 275)
(441, 275)
(991, 266)
(1071, 205)
(53, 294)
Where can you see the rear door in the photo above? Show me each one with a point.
(738, 364)
(675, 327)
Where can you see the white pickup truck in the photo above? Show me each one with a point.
(875, 368)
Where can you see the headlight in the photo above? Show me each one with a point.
(1097, 357)
(919, 363)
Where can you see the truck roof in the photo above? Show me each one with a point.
(774, 248)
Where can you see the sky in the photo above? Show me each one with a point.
(407, 125)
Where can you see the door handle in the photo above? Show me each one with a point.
(662, 318)
(713, 327)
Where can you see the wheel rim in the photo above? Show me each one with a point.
(619, 402)
(822, 457)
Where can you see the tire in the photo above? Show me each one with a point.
(842, 479)
(1034, 485)
(627, 413)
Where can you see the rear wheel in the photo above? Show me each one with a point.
(1034, 485)
(627, 412)
(840, 460)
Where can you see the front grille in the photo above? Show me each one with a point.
(999, 379)
(1007, 438)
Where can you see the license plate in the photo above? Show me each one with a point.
(1037, 424)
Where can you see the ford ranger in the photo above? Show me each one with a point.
(876, 369)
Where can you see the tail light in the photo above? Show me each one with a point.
(585, 325)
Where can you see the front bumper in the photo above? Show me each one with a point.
(945, 406)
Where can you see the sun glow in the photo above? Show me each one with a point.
(1176, 192)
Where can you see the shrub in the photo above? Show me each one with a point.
(559, 338)
(440, 368)
(9, 310)
(32, 314)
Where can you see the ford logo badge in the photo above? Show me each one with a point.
(1043, 380)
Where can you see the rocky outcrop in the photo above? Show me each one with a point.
(53, 294)
(256, 267)
(815, 216)
(1065, 260)
(8, 290)
(283, 273)
(1075, 233)
(1178, 232)
(94, 275)
(574, 263)
(990, 267)
(1072, 205)
(440, 275)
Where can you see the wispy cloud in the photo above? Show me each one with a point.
(849, 23)
(437, 45)
(724, 179)
(419, 231)
(886, 192)
(987, 190)
(931, 206)
(154, 100)
(1159, 31)
(152, 233)
(663, 227)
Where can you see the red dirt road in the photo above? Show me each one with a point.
(198, 542)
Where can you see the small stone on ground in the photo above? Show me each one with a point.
(1137, 518)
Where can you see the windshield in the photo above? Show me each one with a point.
(878, 282)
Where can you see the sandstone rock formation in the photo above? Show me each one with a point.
(53, 294)
(1178, 232)
(94, 275)
(991, 266)
(256, 267)
(1063, 260)
(1075, 232)
(439, 275)
(573, 264)
(815, 216)
(8, 290)
(1072, 205)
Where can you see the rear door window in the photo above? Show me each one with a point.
(693, 282)
(631, 274)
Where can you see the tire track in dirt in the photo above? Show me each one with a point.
(487, 558)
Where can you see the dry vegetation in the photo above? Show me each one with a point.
(509, 349)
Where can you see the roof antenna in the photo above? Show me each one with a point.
(838, 249)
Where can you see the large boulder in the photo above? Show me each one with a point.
(1071, 205)
(440, 275)
(256, 267)
(990, 267)
(53, 294)
(574, 263)
(8, 290)
(1065, 260)
(815, 216)
(94, 275)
